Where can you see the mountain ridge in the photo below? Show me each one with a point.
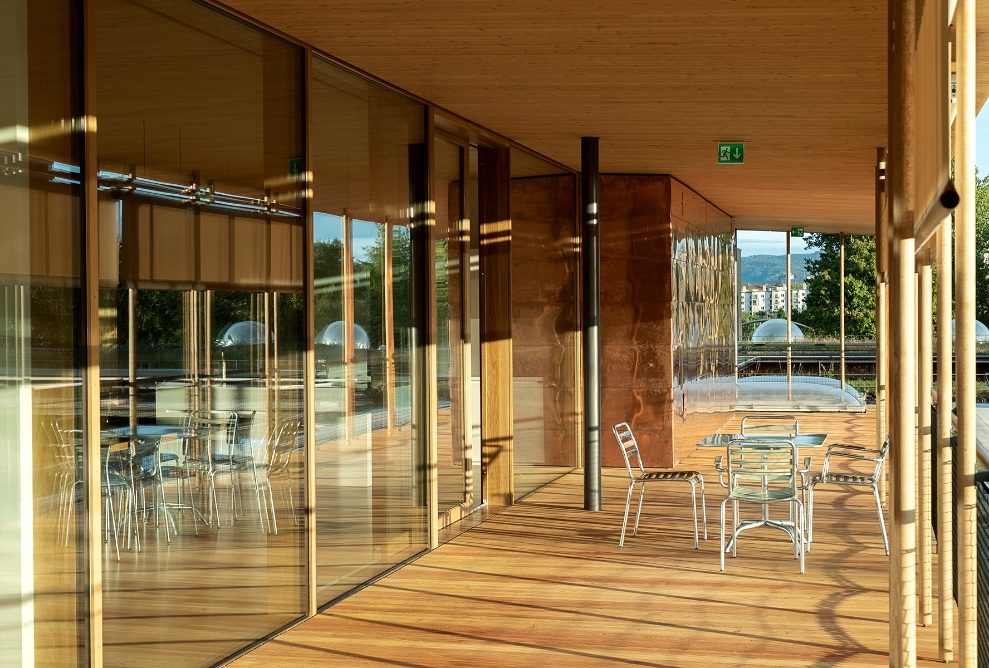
(771, 269)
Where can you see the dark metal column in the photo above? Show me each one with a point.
(592, 322)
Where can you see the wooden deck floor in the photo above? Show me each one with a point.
(545, 583)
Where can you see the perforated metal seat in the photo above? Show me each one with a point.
(639, 475)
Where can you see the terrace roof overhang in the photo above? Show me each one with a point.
(802, 85)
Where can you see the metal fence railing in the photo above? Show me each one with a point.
(982, 538)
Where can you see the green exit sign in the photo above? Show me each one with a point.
(295, 168)
(796, 231)
(731, 153)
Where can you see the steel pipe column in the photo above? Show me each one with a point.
(592, 322)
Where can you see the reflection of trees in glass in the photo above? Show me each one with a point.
(982, 249)
(53, 327)
(369, 275)
(328, 271)
(823, 286)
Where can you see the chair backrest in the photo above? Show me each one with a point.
(769, 425)
(282, 440)
(858, 453)
(761, 465)
(630, 449)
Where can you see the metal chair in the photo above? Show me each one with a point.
(640, 476)
(770, 425)
(763, 472)
(281, 441)
(851, 453)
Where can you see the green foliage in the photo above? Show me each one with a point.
(823, 287)
(982, 249)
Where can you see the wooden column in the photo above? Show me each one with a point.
(965, 331)
(882, 315)
(92, 475)
(309, 349)
(925, 380)
(497, 451)
(841, 306)
(901, 192)
(946, 550)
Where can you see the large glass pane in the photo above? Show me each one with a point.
(367, 146)
(201, 331)
(544, 320)
(452, 457)
(42, 550)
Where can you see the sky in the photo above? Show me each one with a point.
(774, 243)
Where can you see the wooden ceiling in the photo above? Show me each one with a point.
(803, 84)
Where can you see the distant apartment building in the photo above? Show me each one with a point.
(772, 298)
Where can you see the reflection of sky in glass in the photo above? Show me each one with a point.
(327, 227)
(768, 243)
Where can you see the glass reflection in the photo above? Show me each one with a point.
(366, 143)
(43, 556)
(201, 339)
(453, 460)
(544, 321)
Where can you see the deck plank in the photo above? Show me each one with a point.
(545, 583)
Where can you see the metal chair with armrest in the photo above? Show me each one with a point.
(873, 459)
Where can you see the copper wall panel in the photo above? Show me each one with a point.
(667, 316)
(636, 315)
(544, 319)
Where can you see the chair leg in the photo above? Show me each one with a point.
(704, 508)
(799, 530)
(638, 513)
(882, 522)
(628, 501)
(721, 552)
(810, 516)
(693, 504)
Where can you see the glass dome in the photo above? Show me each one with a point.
(775, 330)
(981, 332)
(244, 333)
(332, 335)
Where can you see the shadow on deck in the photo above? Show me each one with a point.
(545, 583)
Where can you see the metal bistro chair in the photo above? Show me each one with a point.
(851, 453)
(763, 472)
(640, 476)
(769, 425)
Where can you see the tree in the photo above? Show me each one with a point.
(982, 248)
(823, 286)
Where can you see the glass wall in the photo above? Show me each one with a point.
(42, 553)
(544, 320)
(367, 148)
(201, 331)
(453, 456)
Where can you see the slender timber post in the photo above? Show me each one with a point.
(945, 497)
(592, 323)
(789, 324)
(900, 183)
(882, 316)
(841, 305)
(965, 331)
(925, 381)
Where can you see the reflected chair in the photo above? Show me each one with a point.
(639, 475)
(873, 460)
(763, 472)
(281, 441)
